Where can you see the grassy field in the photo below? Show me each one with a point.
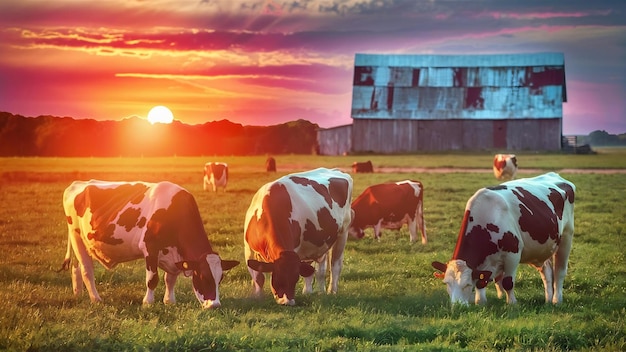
(388, 298)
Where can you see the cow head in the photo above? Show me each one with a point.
(286, 271)
(207, 274)
(356, 232)
(460, 279)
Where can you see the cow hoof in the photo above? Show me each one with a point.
(211, 304)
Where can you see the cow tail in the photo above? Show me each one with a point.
(68, 259)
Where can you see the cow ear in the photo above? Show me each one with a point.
(306, 269)
(483, 278)
(260, 266)
(186, 265)
(440, 266)
(229, 264)
(439, 275)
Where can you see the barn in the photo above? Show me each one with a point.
(411, 103)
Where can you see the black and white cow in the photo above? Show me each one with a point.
(116, 222)
(529, 220)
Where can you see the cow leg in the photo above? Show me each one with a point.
(419, 217)
(499, 288)
(377, 229)
(152, 279)
(170, 282)
(561, 258)
(320, 273)
(205, 185)
(308, 285)
(336, 261)
(85, 268)
(77, 280)
(508, 277)
(413, 230)
(547, 276)
(480, 296)
(258, 280)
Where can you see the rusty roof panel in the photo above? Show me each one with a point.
(413, 91)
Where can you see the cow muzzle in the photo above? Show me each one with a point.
(284, 301)
(209, 304)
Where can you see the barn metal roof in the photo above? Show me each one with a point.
(433, 87)
(493, 60)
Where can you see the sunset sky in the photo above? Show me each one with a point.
(264, 62)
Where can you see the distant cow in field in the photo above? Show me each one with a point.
(270, 164)
(293, 221)
(362, 167)
(530, 220)
(116, 222)
(504, 166)
(389, 206)
(215, 175)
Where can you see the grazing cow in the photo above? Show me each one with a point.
(293, 221)
(389, 206)
(116, 222)
(270, 164)
(215, 175)
(522, 221)
(505, 166)
(362, 167)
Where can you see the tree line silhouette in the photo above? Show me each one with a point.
(134, 136)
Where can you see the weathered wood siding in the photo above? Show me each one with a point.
(388, 136)
(335, 141)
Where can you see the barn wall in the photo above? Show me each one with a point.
(335, 141)
(543, 134)
(388, 136)
(404, 103)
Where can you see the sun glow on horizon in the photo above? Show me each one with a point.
(160, 114)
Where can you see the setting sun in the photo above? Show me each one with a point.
(160, 114)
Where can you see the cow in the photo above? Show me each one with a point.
(527, 221)
(215, 175)
(293, 221)
(362, 167)
(504, 166)
(390, 206)
(116, 222)
(270, 164)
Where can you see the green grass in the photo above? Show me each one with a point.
(388, 298)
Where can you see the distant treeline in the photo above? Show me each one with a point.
(603, 139)
(65, 136)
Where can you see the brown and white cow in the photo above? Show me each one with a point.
(294, 221)
(215, 175)
(362, 167)
(116, 222)
(527, 221)
(389, 206)
(504, 166)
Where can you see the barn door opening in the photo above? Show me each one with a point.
(499, 134)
